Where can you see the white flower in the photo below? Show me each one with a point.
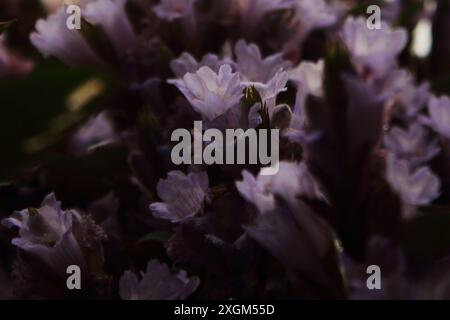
(113, 19)
(157, 283)
(53, 38)
(439, 111)
(209, 93)
(187, 63)
(412, 144)
(416, 188)
(373, 49)
(291, 181)
(174, 9)
(183, 195)
(251, 65)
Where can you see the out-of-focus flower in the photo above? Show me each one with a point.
(186, 63)
(209, 93)
(47, 233)
(174, 9)
(399, 86)
(11, 64)
(413, 98)
(413, 144)
(308, 76)
(113, 19)
(97, 130)
(183, 195)
(308, 185)
(309, 15)
(157, 283)
(53, 38)
(291, 181)
(375, 49)
(416, 188)
(253, 11)
(439, 111)
(251, 65)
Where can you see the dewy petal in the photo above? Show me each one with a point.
(53, 38)
(112, 17)
(183, 196)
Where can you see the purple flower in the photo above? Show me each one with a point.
(157, 283)
(47, 233)
(97, 130)
(211, 94)
(291, 181)
(373, 49)
(186, 63)
(253, 11)
(251, 65)
(308, 76)
(439, 111)
(174, 9)
(416, 188)
(412, 144)
(113, 19)
(183, 195)
(53, 38)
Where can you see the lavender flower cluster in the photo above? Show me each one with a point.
(364, 151)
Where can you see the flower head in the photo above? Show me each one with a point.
(251, 65)
(113, 19)
(291, 181)
(53, 38)
(187, 63)
(47, 232)
(373, 49)
(157, 283)
(417, 188)
(183, 195)
(439, 111)
(412, 144)
(211, 94)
